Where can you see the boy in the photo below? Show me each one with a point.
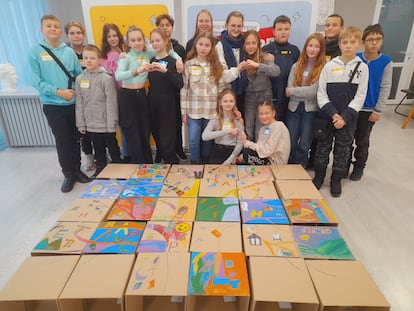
(286, 55)
(57, 95)
(97, 108)
(379, 86)
(342, 89)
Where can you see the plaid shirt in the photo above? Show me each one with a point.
(200, 91)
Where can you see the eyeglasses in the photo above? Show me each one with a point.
(372, 40)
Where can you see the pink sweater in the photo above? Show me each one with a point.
(111, 64)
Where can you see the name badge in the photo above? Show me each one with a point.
(196, 71)
(82, 63)
(227, 126)
(286, 52)
(163, 63)
(46, 57)
(337, 72)
(84, 84)
(266, 131)
(141, 59)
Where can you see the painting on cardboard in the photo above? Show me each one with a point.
(256, 189)
(256, 172)
(219, 188)
(193, 171)
(263, 212)
(152, 171)
(311, 211)
(214, 171)
(179, 187)
(104, 189)
(142, 188)
(175, 209)
(218, 209)
(93, 210)
(132, 209)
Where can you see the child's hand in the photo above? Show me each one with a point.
(287, 92)
(241, 66)
(179, 65)
(184, 119)
(373, 117)
(122, 55)
(145, 67)
(65, 94)
(156, 66)
(233, 131)
(267, 57)
(251, 64)
(338, 122)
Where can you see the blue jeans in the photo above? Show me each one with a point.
(299, 124)
(199, 149)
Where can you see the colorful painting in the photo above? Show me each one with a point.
(115, 237)
(151, 171)
(178, 187)
(186, 171)
(321, 242)
(142, 188)
(213, 171)
(93, 210)
(256, 172)
(256, 189)
(218, 274)
(218, 209)
(269, 240)
(161, 237)
(175, 209)
(210, 236)
(65, 238)
(311, 211)
(104, 189)
(218, 188)
(263, 212)
(132, 209)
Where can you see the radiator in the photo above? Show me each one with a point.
(24, 122)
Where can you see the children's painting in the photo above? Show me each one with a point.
(218, 274)
(179, 187)
(93, 210)
(309, 211)
(163, 237)
(142, 188)
(211, 236)
(65, 238)
(321, 242)
(151, 171)
(218, 209)
(256, 172)
(263, 212)
(213, 171)
(221, 188)
(132, 209)
(115, 237)
(186, 171)
(175, 209)
(256, 189)
(269, 240)
(104, 189)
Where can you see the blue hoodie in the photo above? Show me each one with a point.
(46, 75)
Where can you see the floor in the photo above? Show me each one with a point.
(376, 214)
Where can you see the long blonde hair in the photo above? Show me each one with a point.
(258, 55)
(220, 112)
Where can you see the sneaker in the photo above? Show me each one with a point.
(89, 164)
(356, 174)
(67, 184)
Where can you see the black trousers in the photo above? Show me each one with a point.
(101, 141)
(220, 153)
(61, 120)
(134, 120)
(86, 143)
(179, 138)
(362, 134)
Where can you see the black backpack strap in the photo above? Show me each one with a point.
(57, 60)
(354, 72)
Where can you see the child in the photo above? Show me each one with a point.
(165, 83)
(225, 129)
(286, 55)
(204, 23)
(273, 143)
(259, 86)
(76, 36)
(57, 96)
(342, 88)
(379, 86)
(97, 108)
(301, 90)
(333, 27)
(202, 84)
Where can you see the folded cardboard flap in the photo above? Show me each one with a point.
(217, 303)
(290, 171)
(154, 303)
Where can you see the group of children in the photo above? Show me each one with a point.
(226, 95)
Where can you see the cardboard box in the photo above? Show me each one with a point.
(213, 171)
(345, 285)
(290, 171)
(97, 283)
(151, 171)
(88, 210)
(210, 236)
(215, 188)
(263, 212)
(269, 240)
(256, 189)
(132, 209)
(162, 236)
(144, 187)
(297, 189)
(218, 282)
(65, 238)
(280, 284)
(254, 172)
(309, 211)
(175, 209)
(104, 189)
(180, 188)
(117, 171)
(218, 209)
(37, 284)
(158, 282)
(186, 171)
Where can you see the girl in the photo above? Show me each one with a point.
(260, 67)
(302, 88)
(204, 23)
(273, 144)
(165, 83)
(225, 129)
(202, 84)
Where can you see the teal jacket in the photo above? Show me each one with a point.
(46, 75)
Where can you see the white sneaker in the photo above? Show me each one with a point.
(89, 164)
